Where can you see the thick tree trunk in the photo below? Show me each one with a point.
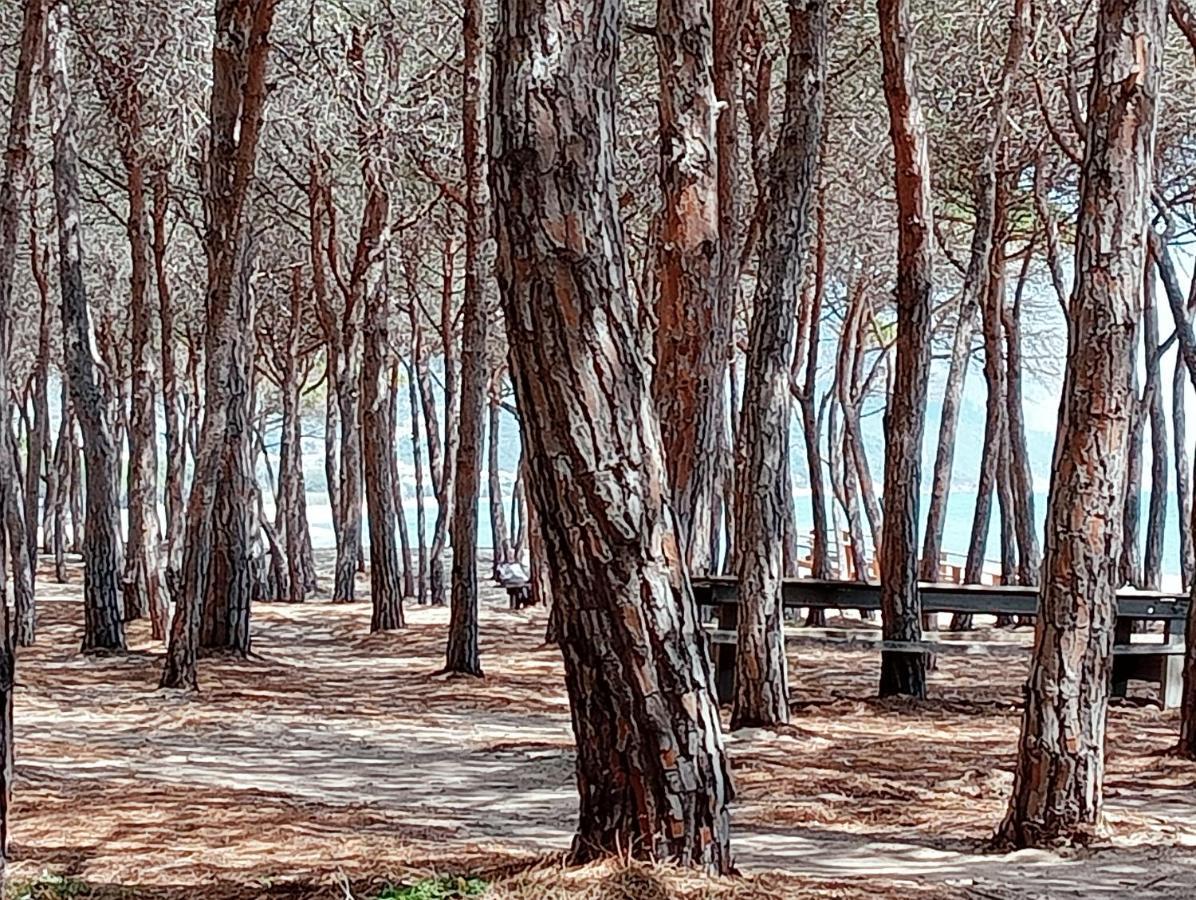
(461, 654)
(142, 577)
(238, 93)
(651, 768)
(103, 626)
(349, 480)
(377, 430)
(905, 417)
(691, 332)
(1058, 783)
(762, 460)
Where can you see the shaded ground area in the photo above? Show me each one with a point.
(334, 762)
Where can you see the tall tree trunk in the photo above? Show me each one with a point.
(1029, 557)
(651, 768)
(1131, 550)
(691, 334)
(396, 480)
(142, 577)
(349, 480)
(762, 459)
(995, 405)
(461, 654)
(239, 58)
(980, 251)
(1183, 473)
(377, 430)
(421, 541)
(819, 552)
(175, 508)
(103, 626)
(291, 511)
(1059, 779)
(1156, 517)
(905, 417)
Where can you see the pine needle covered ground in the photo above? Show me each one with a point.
(337, 764)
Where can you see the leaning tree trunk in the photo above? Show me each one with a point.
(651, 768)
(905, 417)
(1059, 779)
(421, 528)
(103, 627)
(761, 689)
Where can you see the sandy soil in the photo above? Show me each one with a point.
(333, 762)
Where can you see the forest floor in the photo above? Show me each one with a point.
(334, 763)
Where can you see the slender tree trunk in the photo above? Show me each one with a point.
(399, 494)
(175, 508)
(421, 540)
(651, 769)
(103, 626)
(905, 417)
(1029, 556)
(1059, 779)
(1131, 550)
(1183, 472)
(348, 509)
(500, 535)
(762, 460)
(461, 654)
(1156, 517)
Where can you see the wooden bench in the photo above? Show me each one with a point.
(1158, 662)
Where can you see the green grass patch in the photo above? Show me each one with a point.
(51, 887)
(442, 888)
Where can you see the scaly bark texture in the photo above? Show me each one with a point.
(239, 56)
(905, 417)
(103, 627)
(761, 495)
(16, 161)
(651, 769)
(461, 654)
(687, 382)
(1059, 780)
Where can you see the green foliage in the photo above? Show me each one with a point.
(441, 888)
(50, 887)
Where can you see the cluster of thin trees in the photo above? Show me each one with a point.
(359, 201)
